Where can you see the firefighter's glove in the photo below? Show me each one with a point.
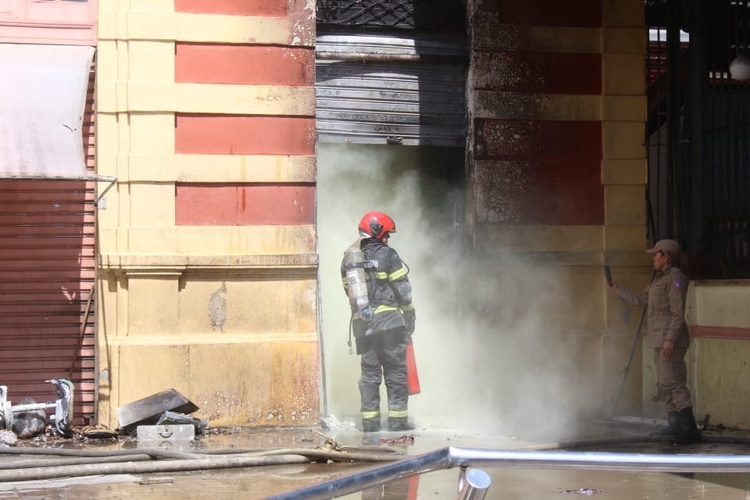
(411, 318)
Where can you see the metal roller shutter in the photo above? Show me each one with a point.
(391, 90)
(47, 249)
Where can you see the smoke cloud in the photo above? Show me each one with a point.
(493, 341)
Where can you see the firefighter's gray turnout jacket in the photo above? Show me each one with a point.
(388, 289)
(665, 297)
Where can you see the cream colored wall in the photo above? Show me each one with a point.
(624, 174)
(718, 368)
(165, 288)
(719, 321)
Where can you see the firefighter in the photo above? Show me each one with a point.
(668, 335)
(382, 329)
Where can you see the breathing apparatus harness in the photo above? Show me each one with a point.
(358, 286)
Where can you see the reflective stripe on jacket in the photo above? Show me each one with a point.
(388, 289)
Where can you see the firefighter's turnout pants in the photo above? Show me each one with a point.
(383, 357)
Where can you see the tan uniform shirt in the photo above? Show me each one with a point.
(665, 297)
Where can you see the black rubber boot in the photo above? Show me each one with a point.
(687, 430)
(399, 424)
(671, 428)
(371, 424)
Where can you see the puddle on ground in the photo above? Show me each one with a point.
(507, 483)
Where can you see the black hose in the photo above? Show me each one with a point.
(593, 443)
(725, 440)
(601, 443)
(317, 454)
(360, 453)
(343, 456)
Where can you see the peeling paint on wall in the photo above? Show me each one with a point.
(217, 308)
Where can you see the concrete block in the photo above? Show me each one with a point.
(166, 437)
(181, 432)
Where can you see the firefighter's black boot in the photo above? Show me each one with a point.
(398, 424)
(371, 424)
(671, 428)
(687, 430)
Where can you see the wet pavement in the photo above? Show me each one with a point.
(507, 484)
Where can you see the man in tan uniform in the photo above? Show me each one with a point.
(668, 335)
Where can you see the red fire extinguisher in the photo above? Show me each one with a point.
(412, 376)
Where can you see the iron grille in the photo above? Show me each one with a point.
(726, 139)
(698, 132)
(427, 15)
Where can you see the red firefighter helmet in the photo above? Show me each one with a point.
(376, 225)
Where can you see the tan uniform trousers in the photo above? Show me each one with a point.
(672, 379)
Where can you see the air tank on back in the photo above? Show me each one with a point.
(356, 281)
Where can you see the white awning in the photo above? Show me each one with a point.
(42, 102)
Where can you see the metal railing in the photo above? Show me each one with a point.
(464, 458)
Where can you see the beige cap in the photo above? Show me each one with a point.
(665, 246)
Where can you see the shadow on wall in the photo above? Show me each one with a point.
(489, 342)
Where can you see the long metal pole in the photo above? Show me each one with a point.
(625, 371)
(636, 337)
(436, 460)
(447, 458)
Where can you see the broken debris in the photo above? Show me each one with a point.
(148, 410)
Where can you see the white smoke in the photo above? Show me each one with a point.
(489, 350)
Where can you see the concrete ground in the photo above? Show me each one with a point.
(268, 481)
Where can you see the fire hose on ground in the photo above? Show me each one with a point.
(79, 463)
(141, 461)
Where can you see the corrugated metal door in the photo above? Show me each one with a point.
(46, 279)
(391, 90)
